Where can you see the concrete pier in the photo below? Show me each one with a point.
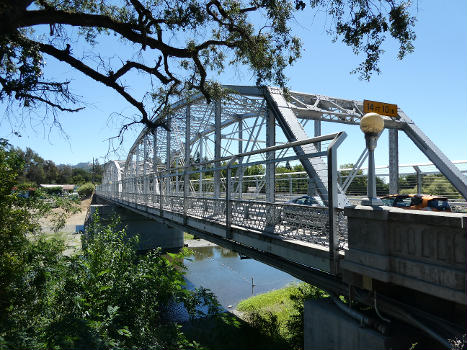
(328, 327)
(152, 234)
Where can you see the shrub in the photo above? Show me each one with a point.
(86, 190)
(106, 297)
(53, 191)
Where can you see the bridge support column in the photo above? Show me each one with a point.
(270, 168)
(217, 149)
(393, 161)
(151, 234)
(186, 176)
(311, 190)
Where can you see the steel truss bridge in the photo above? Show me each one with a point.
(199, 173)
(198, 176)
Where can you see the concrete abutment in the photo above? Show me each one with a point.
(152, 234)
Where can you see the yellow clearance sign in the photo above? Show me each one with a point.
(380, 107)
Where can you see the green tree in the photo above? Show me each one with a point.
(80, 176)
(21, 261)
(86, 190)
(51, 172)
(106, 297)
(65, 174)
(167, 46)
(359, 184)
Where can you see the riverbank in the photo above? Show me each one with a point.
(192, 242)
(70, 233)
(272, 320)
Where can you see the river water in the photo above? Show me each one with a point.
(229, 277)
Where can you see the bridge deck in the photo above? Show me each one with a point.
(298, 222)
(294, 232)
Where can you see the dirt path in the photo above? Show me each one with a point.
(70, 233)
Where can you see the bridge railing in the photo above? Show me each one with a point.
(413, 178)
(227, 202)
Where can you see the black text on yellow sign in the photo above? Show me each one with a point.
(380, 107)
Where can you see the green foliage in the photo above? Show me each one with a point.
(106, 297)
(112, 297)
(439, 185)
(36, 170)
(295, 325)
(188, 236)
(255, 170)
(86, 190)
(434, 184)
(256, 34)
(228, 332)
(23, 255)
(54, 191)
(279, 313)
(359, 184)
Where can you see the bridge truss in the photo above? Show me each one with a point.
(219, 173)
(250, 118)
(204, 166)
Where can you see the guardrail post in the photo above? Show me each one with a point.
(186, 176)
(228, 208)
(160, 195)
(228, 199)
(332, 205)
(419, 179)
(290, 185)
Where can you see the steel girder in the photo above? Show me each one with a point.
(244, 104)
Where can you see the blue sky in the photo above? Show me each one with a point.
(430, 85)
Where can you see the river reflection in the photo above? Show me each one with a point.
(229, 277)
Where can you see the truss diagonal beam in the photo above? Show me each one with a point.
(293, 130)
(433, 153)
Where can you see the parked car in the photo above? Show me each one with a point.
(417, 202)
(307, 200)
(293, 214)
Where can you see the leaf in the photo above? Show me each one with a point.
(124, 331)
(103, 272)
(103, 288)
(112, 310)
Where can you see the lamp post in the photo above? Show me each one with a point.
(371, 124)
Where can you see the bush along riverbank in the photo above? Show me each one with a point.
(279, 313)
(273, 320)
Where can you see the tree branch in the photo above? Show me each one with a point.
(64, 56)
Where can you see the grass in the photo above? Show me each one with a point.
(262, 326)
(72, 241)
(188, 236)
(277, 302)
(278, 313)
(275, 306)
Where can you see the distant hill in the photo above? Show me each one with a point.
(83, 165)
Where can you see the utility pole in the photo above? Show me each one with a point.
(92, 171)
